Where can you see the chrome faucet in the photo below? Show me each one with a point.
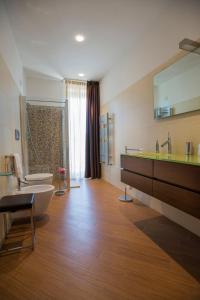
(19, 182)
(168, 143)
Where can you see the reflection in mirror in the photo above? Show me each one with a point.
(177, 88)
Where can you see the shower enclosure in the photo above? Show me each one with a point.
(46, 130)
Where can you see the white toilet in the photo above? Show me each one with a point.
(32, 179)
(39, 178)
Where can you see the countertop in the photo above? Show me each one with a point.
(176, 158)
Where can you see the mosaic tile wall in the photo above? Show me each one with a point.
(45, 150)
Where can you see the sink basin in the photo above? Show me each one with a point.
(176, 158)
(146, 154)
(43, 195)
(42, 188)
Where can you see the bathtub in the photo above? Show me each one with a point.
(43, 195)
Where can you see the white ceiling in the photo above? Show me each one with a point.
(44, 32)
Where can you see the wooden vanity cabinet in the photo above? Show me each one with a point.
(176, 184)
(137, 165)
(140, 182)
(187, 176)
(178, 197)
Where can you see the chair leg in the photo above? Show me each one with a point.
(32, 224)
(32, 228)
(5, 225)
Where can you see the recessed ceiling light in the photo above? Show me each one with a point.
(79, 38)
(81, 74)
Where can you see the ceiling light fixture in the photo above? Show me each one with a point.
(190, 46)
(79, 38)
(81, 74)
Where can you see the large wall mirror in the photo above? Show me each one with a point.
(177, 88)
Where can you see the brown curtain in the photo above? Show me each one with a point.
(92, 167)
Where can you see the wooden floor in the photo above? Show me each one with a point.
(94, 247)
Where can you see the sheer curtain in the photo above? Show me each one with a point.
(76, 95)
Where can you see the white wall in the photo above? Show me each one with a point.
(44, 88)
(135, 127)
(9, 121)
(160, 43)
(127, 91)
(11, 86)
(8, 49)
(9, 118)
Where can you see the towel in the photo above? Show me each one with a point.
(18, 165)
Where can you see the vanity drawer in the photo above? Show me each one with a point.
(139, 182)
(180, 198)
(138, 165)
(184, 175)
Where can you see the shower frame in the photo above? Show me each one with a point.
(65, 134)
